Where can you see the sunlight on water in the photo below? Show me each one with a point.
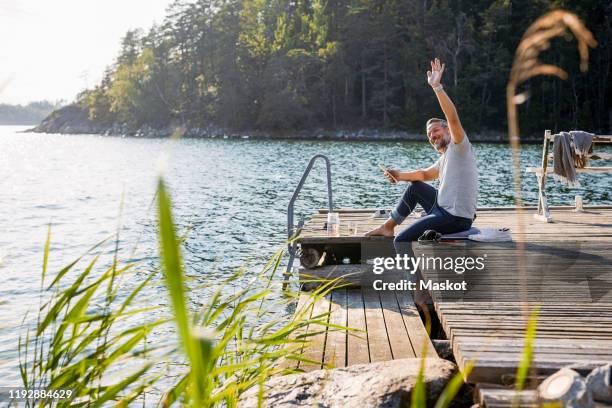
(231, 195)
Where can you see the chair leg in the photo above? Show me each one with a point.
(543, 213)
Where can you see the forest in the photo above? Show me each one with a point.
(348, 64)
(29, 114)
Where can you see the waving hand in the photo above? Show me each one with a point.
(450, 112)
(435, 75)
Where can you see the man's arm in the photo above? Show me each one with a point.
(450, 112)
(430, 173)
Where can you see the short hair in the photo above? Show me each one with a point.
(436, 120)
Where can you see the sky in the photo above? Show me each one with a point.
(53, 49)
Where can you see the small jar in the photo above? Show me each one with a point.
(333, 224)
(579, 205)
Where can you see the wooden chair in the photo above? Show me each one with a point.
(541, 172)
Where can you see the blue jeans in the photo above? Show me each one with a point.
(437, 218)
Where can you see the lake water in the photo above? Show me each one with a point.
(232, 195)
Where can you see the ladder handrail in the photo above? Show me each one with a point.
(299, 188)
(290, 208)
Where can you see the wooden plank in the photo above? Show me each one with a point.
(399, 338)
(303, 302)
(491, 343)
(378, 341)
(489, 396)
(350, 274)
(316, 346)
(414, 326)
(493, 370)
(335, 345)
(593, 156)
(590, 170)
(357, 340)
(552, 356)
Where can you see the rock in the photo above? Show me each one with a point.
(74, 119)
(68, 119)
(568, 386)
(385, 384)
(599, 383)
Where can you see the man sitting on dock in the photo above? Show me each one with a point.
(452, 207)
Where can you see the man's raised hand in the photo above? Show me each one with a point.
(435, 75)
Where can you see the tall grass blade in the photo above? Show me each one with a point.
(173, 275)
(527, 357)
(46, 256)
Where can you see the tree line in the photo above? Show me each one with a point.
(345, 64)
(29, 114)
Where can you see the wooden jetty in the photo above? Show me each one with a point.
(575, 316)
(386, 326)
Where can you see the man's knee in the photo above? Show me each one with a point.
(416, 185)
(416, 189)
(413, 188)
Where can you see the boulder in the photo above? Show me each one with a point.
(599, 383)
(386, 384)
(68, 119)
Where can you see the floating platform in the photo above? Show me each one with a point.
(574, 325)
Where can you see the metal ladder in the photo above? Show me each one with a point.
(291, 233)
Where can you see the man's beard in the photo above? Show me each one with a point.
(442, 143)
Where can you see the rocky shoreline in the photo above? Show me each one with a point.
(72, 119)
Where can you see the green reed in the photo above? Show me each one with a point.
(91, 331)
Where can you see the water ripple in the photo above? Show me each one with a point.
(229, 196)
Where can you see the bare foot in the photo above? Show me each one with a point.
(383, 230)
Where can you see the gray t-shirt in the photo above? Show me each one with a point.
(458, 191)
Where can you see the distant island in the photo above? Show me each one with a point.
(30, 114)
(317, 68)
(73, 119)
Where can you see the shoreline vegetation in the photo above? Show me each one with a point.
(72, 119)
(26, 115)
(260, 68)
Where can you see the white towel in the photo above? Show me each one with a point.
(461, 235)
(492, 235)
